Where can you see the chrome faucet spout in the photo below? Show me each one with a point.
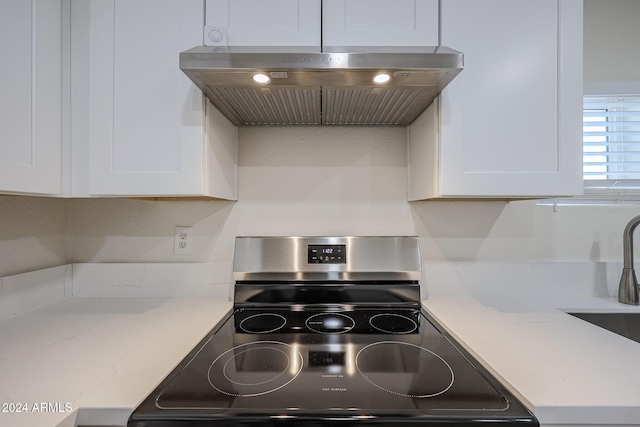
(628, 290)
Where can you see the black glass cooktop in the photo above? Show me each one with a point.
(356, 365)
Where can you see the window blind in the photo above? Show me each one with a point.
(611, 141)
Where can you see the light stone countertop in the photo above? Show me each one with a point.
(104, 355)
(566, 370)
(98, 356)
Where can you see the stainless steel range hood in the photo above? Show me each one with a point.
(334, 87)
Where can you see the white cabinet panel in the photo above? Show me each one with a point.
(510, 123)
(149, 95)
(146, 127)
(221, 155)
(262, 23)
(344, 23)
(30, 105)
(380, 22)
(15, 81)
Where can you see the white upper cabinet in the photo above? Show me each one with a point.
(510, 124)
(262, 23)
(343, 22)
(31, 101)
(143, 119)
(380, 22)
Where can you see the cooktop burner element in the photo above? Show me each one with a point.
(330, 323)
(263, 323)
(255, 368)
(336, 342)
(391, 323)
(435, 373)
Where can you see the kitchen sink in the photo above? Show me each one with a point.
(624, 324)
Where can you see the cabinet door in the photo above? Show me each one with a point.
(511, 121)
(380, 22)
(30, 105)
(145, 116)
(263, 23)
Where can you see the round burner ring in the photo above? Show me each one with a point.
(431, 365)
(255, 368)
(411, 325)
(262, 349)
(330, 323)
(278, 322)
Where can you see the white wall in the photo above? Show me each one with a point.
(33, 233)
(323, 181)
(304, 181)
(611, 34)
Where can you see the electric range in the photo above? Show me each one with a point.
(328, 331)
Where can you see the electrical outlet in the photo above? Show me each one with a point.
(183, 240)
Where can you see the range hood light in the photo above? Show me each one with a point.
(261, 78)
(382, 78)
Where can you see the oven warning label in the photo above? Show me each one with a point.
(334, 389)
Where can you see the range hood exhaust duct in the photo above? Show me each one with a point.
(335, 87)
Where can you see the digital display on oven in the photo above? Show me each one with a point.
(326, 358)
(327, 254)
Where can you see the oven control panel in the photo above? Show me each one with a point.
(327, 254)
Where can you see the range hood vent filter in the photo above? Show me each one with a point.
(268, 106)
(366, 106)
(334, 87)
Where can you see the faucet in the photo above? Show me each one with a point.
(628, 289)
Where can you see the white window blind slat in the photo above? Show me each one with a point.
(611, 144)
